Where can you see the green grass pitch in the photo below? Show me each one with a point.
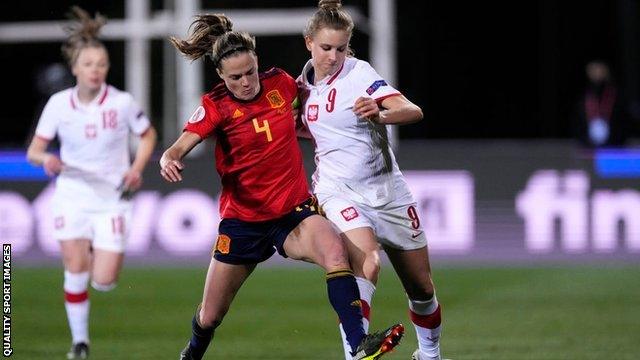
(282, 313)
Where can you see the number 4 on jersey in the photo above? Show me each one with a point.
(262, 128)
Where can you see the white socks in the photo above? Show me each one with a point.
(426, 319)
(76, 301)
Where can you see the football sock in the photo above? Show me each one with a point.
(426, 318)
(366, 289)
(76, 302)
(200, 337)
(345, 299)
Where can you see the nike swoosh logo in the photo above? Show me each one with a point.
(413, 236)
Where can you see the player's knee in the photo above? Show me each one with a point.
(333, 255)
(211, 319)
(371, 266)
(335, 261)
(421, 292)
(103, 286)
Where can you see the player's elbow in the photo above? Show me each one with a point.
(414, 114)
(417, 113)
(150, 135)
(31, 156)
(34, 156)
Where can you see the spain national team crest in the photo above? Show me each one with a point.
(275, 99)
(312, 112)
(223, 244)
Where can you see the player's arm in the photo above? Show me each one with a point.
(37, 155)
(296, 110)
(396, 110)
(170, 162)
(133, 177)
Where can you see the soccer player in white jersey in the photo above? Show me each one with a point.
(92, 212)
(347, 106)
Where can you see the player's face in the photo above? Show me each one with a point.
(240, 74)
(328, 50)
(91, 68)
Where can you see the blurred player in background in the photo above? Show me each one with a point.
(265, 203)
(92, 211)
(346, 107)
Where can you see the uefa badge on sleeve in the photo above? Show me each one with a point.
(375, 86)
(197, 116)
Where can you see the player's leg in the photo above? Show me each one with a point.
(106, 269)
(315, 240)
(403, 239)
(76, 257)
(221, 285)
(110, 229)
(73, 229)
(414, 270)
(362, 248)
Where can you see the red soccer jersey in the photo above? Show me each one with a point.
(257, 152)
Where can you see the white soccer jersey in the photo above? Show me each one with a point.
(352, 155)
(94, 142)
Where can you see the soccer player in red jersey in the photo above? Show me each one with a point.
(265, 201)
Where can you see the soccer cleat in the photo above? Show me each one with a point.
(185, 354)
(78, 351)
(373, 346)
(416, 355)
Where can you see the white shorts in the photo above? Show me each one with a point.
(396, 224)
(106, 228)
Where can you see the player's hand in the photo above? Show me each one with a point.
(52, 165)
(131, 181)
(296, 114)
(366, 108)
(170, 169)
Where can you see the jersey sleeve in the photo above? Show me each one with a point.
(48, 122)
(372, 84)
(136, 118)
(291, 89)
(204, 120)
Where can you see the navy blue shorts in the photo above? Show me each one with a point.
(244, 242)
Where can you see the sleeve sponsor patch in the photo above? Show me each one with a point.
(197, 116)
(375, 86)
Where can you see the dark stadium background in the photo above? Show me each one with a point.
(498, 82)
(479, 69)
